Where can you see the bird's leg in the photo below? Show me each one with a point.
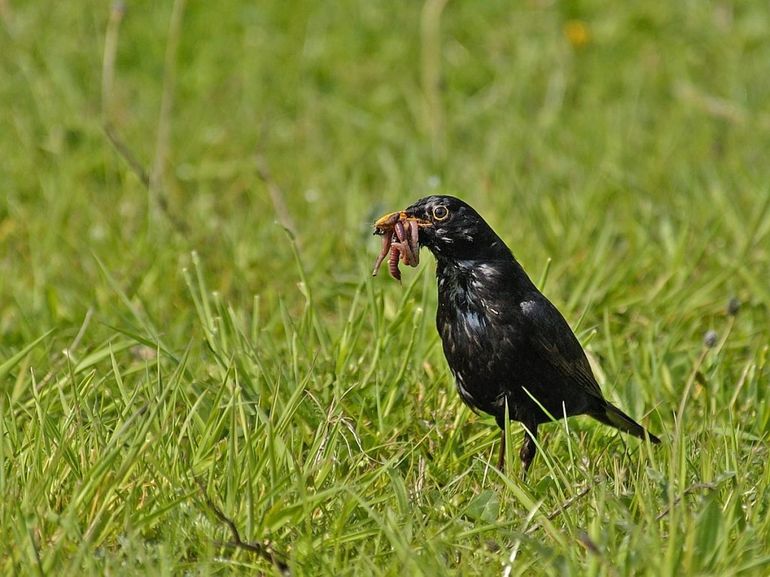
(528, 448)
(501, 455)
(500, 420)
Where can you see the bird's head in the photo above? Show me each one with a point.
(451, 229)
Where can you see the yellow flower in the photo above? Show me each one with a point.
(577, 33)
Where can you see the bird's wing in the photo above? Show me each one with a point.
(552, 339)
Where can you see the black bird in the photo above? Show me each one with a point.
(504, 341)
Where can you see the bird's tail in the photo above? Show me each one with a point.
(614, 417)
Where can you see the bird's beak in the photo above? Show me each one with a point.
(388, 221)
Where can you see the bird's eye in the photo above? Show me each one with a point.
(440, 212)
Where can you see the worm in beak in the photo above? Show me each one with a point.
(400, 241)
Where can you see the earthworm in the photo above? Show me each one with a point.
(398, 228)
(400, 241)
(403, 242)
(414, 241)
(393, 263)
(387, 238)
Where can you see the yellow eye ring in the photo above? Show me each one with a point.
(440, 212)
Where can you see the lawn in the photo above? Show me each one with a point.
(192, 346)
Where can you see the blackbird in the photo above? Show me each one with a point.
(505, 343)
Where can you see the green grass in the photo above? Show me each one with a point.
(152, 339)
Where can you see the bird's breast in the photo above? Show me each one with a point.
(475, 339)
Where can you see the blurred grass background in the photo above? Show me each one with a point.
(152, 335)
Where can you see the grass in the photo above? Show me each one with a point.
(157, 338)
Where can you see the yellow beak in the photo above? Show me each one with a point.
(388, 221)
